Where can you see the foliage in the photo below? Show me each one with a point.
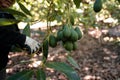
(66, 12)
(65, 68)
(6, 22)
(24, 75)
(26, 30)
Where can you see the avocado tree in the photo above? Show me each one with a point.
(65, 13)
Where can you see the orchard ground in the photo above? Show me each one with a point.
(98, 59)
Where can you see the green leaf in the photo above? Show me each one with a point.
(119, 1)
(45, 49)
(72, 76)
(65, 68)
(60, 66)
(17, 1)
(58, 18)
(72, 62)
(77, 3)
(6, 22)
(24, 9)
(14, 12)
(26, 30)
(40, 74)
(24, 75)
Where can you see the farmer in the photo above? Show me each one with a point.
(9, 36)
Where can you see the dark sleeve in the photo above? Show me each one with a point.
(10, 37)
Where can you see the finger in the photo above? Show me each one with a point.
(37, 47)
(39, 44)
(38, 52)
(33, 51)
(28, 49)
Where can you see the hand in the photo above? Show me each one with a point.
(32, 45)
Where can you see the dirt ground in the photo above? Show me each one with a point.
(97, 61)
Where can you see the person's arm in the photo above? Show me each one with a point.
(9, 37)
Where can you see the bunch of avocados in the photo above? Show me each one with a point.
(68, 36)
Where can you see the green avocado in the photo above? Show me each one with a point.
(74, 35)
(68, 46)
(78, 32)
(59, 35)
(66, 31)
(75, 45)
(52, 41)
(97, 6)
